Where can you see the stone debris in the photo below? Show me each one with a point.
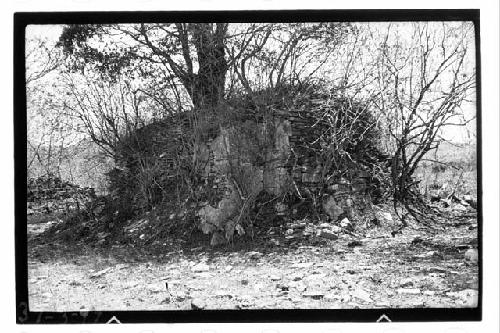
(156, 288)
(198, 304)
(254, 254)
(332, 208)
(345, 223)
(362, 295)
(354, 243)
(409, 291)
(428, 254)
(121, 266)
(275, 242)
(335, 229)
(331, 297)
(302, 265)
(328, 235)
(313, 294)
(467, 296)
(201, 267)
(471, 255)
(417, 240)
(283, 287)
(406, 283)
(436, 270)
(51, 194)
(100, 273)
(387, 216)
(298, 285)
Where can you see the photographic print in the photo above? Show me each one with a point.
(306, 163)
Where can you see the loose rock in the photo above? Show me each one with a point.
(254, 255)
(201, 267)
(387, 216)
(198, 304)
(345, 223)
(100, 273)
(156, 288)
(362, 295)
(409, 291)
(471, 255)
(406, 283)
(298, 285)
(313, 294)
(354, 243)
(328, 235)
(302, 265)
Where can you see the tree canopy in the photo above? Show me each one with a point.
(203, 61)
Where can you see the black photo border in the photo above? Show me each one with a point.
(23, 313)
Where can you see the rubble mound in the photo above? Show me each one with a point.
(289, 153)
(50, 194)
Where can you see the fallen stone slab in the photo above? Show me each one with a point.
(362, 295)
(409, 291)
(354, 243)
(313, 294)
(254, 255)
(100, 273)
(201, 267)
(198, 304)
(328, 235)
(436, 270)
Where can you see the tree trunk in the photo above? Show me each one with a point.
(207, 86)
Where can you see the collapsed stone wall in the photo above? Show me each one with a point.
(234, 154)
(50, 194)
(243, 164)
(281, 167)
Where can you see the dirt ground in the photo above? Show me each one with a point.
(415, 269)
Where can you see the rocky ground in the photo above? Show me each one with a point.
(302, 265)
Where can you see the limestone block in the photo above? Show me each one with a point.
(215, 218)
(332, 208)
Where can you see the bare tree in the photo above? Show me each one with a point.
(46, 132)
(41, 59)
(425, 75)
(269, 55)
(107, 111)
(198, 56)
